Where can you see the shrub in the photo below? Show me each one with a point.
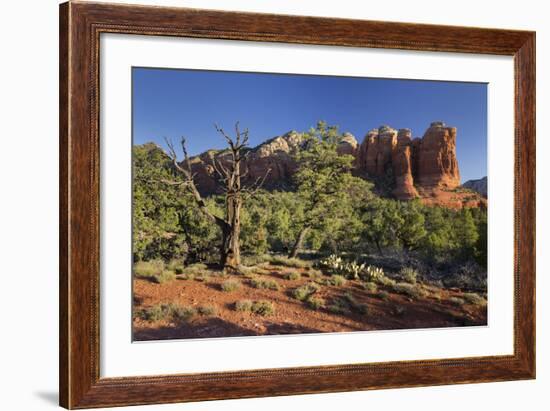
(196, 271)
(230, 285)
(208, 310)
(256, 259)
(182, 313)
(314, 274)
(372, 273)
(243, 305)
(263, 307)
(195, 268)
(356, 305)
(410, 290)
(154, 313)
(457, 301)
(383, 295)
(408, 274)
(388, 282)
(265, 284)
(260, 271)
(203, 276)
(164, 277)
(154, 270)
(337, 280)
(244, 270)
(370, 286)
(290, 262)
(293, 276)
(248, 272)
(304, 291)
(315, 302)
(339, 306)
(475, 299)
(218, 274)
(148, 269)
(168, 312)
(469, 276)
(346, 304)
(176, 265)
(251, 271)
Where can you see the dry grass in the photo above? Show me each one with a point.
(265, 284)
(292, 276)
(303, 292)
(410, 290)
(475, 299)
(230, 285)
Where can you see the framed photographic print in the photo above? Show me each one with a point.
(257, 205)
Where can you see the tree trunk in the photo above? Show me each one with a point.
(299, 242)
(230, 251)
(378, 247)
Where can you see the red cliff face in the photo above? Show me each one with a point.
(437, 166)
(424, 168)
(402, 164)
(275, 155)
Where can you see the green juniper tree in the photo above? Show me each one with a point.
(165, 223)
(322, 181)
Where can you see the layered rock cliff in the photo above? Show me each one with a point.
(420, 166)
(424, 168)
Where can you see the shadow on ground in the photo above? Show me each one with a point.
(210, 328)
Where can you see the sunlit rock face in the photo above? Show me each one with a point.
(437, 166)
(402, 164)
(424, 168)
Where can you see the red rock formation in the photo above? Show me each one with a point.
(402, 166)
(422, 167)
(437, 166)
(387, 141)
(274, 155)
(375, 153)
(367, 153)
(348, 145)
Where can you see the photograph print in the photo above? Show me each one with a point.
(273, 204)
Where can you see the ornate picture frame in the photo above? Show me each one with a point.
(81, 25)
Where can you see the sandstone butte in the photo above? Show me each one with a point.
(424, 168)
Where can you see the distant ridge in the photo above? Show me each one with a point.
(479, 186)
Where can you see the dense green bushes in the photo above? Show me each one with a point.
(167, 225)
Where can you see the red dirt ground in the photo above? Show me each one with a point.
(291, 316)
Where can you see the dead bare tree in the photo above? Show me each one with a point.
(230, 173)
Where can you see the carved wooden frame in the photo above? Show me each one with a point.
(80, 27)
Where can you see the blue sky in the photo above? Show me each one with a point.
(172, 103)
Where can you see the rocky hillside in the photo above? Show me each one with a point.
(424, 168)
(479, 186)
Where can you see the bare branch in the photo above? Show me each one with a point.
(174, 157)
(245, 172)
(224, 174)
(238, 134)
(245, 138)
(186, 157)
(258, 184)
(190, 183)
(227, 138)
